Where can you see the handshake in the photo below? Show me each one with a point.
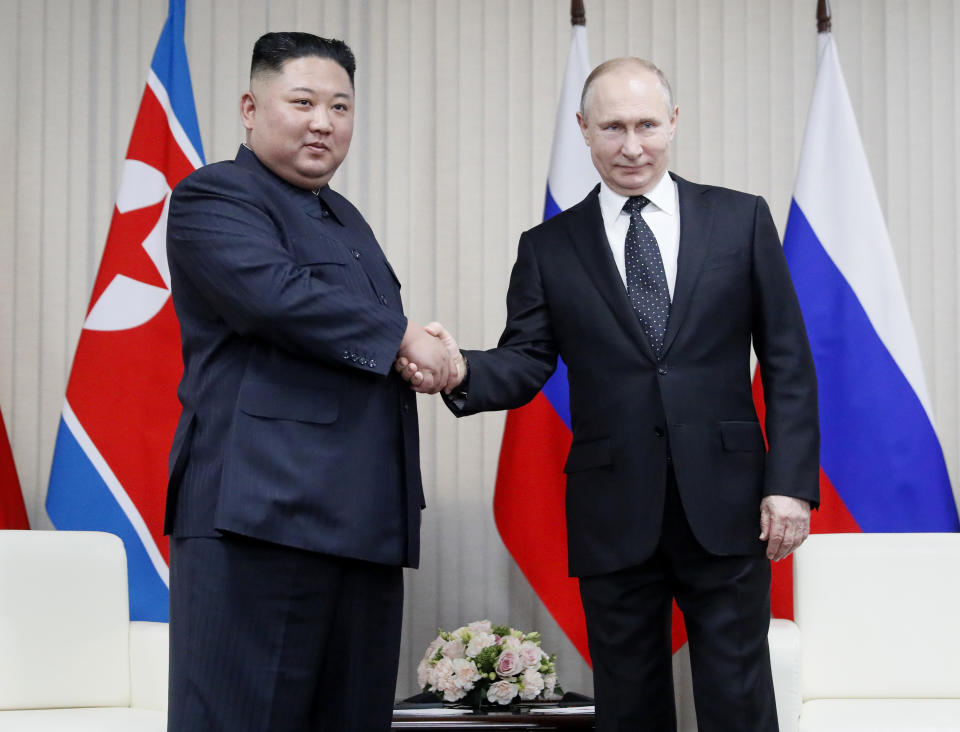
(430, 359)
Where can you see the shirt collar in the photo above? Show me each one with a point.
(663, 196)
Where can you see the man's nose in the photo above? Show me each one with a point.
(320, 120)
(632, 145)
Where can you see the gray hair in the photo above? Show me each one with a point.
(618, 63)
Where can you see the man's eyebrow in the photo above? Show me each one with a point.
(309, 90)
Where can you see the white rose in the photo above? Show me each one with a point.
(532, 684)
(480, 626)
(502, 692)
(478, 642)
(465, 673)
(549, 684)
(454, 649)
(445, 680)
(530, 654)
(510, 642)
(432, 648)
(424, 674)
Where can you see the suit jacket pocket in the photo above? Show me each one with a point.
(587, 455)
(282, 401)
(723, 259)
(742, 436)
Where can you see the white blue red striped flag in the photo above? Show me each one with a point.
(109, 468)
(882, 464)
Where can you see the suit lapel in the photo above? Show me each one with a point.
(696, 222)
(589, 240)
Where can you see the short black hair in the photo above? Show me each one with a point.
(273, 50)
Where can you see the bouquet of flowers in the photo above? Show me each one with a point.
(488, 662)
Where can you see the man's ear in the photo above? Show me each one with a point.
(248, 109)
(583, 128)
(673, 122)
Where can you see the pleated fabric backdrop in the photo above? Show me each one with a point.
(456, 103)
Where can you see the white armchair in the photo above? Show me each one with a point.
(70, 659)
(879, 623)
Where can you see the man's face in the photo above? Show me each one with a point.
(300, 121)
(628, 128)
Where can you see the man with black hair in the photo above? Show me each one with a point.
(294, 497)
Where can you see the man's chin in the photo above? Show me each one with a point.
(634, 186)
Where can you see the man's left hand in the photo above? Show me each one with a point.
(784, 524)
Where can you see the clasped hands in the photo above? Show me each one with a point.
(430, 359)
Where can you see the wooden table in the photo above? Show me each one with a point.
(469, 722)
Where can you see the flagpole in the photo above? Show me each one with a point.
(578, 15)
(823, 16)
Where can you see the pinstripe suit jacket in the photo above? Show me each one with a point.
(295, 429)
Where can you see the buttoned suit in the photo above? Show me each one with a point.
(296, 434)
(681, 428)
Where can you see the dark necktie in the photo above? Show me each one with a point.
(646, 279)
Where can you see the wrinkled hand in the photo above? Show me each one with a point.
(425, 351)
(419, 381)
(784, 524)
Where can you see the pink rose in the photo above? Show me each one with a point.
(508, 664)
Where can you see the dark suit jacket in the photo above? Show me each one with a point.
(295, 428)
(630, 411)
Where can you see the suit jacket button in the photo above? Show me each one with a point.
(662, 370)
(658, 431)
(383, 299)
(372, 364)
(363, 362)
(346, 354)
(356, 254)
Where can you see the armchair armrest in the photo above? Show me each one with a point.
(784, 640)
(149, 662)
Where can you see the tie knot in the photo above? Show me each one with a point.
(635, 204)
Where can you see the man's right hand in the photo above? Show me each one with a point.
(420, 378)
(430, 358)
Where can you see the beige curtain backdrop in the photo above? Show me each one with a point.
(455, 116)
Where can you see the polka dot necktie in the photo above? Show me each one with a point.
(646, 279)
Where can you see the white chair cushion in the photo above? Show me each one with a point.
(879, 615)
(64, 620)
(83, 720)
(881, 715)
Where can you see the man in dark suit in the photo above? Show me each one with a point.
(295, 496)
(651, 290)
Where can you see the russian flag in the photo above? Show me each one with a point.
(882, 467)
(528, 502)
(109, 468)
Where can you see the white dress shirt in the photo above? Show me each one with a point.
(662, 215)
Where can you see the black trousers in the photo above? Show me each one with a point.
(726, 607)
(267, 638)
